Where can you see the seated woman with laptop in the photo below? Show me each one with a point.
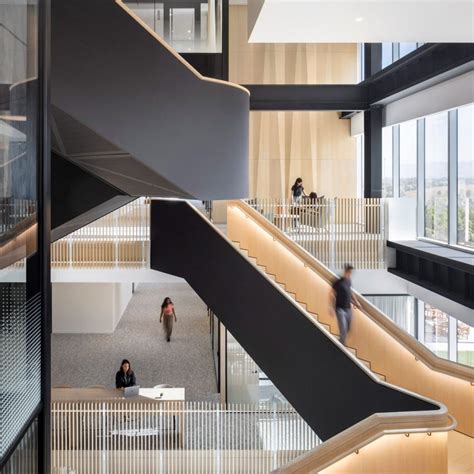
(125, 377)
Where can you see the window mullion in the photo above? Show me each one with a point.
(452, 339)
(396, 160)
(420, 320)
(420, 185)
(452, 176)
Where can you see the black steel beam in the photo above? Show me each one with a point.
(44, 230)
(372, 59)
(424, 63)
(373, 152)
(308, 97)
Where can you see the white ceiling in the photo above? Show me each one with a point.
(361, 21)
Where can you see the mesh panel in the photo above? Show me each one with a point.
(25, 457)
(20, 355)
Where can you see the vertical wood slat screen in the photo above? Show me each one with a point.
(120, 238)
(335, 231)
(199, 437)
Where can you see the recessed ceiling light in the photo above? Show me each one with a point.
(359, 19)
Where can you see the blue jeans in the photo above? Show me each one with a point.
(344, 317)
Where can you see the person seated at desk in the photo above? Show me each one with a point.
(310, 213)
(125, 377)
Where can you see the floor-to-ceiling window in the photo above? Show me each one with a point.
(436, 176)
(465, 344)
(436, 330)
(387, 162)
(443, 334)
(465, 177)
(401, 309)
(440, 147)
(408, 158)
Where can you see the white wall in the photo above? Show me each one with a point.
(89, 307)
(449, 94)
(402, 218)
(357, 124)
(378, 282)
(381, 282)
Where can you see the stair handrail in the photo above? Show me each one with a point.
(370, 428)
(420, 352)
(365, 432)
(193, 70)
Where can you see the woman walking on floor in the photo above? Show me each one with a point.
(168, 315)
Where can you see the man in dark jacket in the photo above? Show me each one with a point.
(342, 300)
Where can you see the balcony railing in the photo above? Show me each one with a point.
(199, 437)
(335, 231)
(120, 238)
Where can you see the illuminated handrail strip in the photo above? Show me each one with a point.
(420, 352)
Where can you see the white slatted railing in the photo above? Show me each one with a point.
(335, 231)
(185, 437)
(120, 238)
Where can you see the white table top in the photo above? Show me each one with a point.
(167, 394)
(113, 394)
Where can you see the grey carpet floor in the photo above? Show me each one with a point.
(81, 360)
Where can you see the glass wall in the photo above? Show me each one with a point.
(436, 177)
(465, 344)
(443, 334)
(387, 161)
(408, 154)
(465, 182)
(401, 309)
(387, 54)
(445, 155)
(20, 302)
(189, 27)
(436, 329)
(246, 382)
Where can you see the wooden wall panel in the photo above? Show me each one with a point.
(418, 453)
(291, 63)
(315, 146)
(285, 145)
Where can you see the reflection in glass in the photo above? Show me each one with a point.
(20, 316)
(399, 308)
(436, 176)
(436, 331)
(465, 341)
(189, 27)
(465, 205)
(387, 54)
(246, 383)
(408, 153)
(387, 162)
(406, 48)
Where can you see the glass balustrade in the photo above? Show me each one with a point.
(194, 27)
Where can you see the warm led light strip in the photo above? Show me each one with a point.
(13, 118)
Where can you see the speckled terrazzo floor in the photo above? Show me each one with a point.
(81, 360)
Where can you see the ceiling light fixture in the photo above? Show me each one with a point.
(359, 19)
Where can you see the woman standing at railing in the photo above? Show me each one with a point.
(297, 190)
(168, 316)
